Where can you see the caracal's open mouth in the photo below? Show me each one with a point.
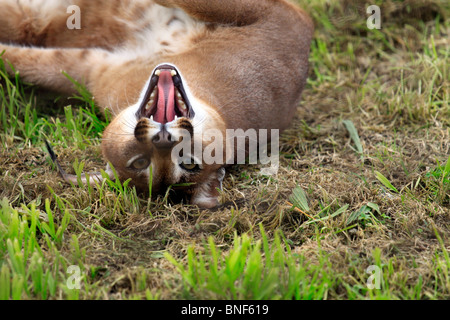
(165, 99)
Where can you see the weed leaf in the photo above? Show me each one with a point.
(298, 199)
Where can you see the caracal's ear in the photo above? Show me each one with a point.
(206, 195)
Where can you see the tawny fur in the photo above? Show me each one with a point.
(245, 61)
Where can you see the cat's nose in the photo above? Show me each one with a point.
(163, 140)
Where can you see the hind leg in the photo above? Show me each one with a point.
(240, 12)
(33, 23)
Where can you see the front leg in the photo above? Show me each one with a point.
(115, 83)
(45, 66)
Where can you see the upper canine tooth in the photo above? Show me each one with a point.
(173, 73)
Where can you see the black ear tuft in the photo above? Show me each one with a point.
(50, 151)
(54, 158)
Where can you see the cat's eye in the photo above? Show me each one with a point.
(190, 166)
(140, 164)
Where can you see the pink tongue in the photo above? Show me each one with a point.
(165, 109)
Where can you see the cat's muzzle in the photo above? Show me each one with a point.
(165, 99)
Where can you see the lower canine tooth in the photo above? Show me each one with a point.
(173, 73)
(157, 72)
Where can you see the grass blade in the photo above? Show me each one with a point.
(354, 136)
(385, 182)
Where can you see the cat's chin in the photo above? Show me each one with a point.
(206, 202)
(207, 193)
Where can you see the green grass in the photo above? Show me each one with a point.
(28, 272)
(25, 122)
(364, 181)
(253, 270)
